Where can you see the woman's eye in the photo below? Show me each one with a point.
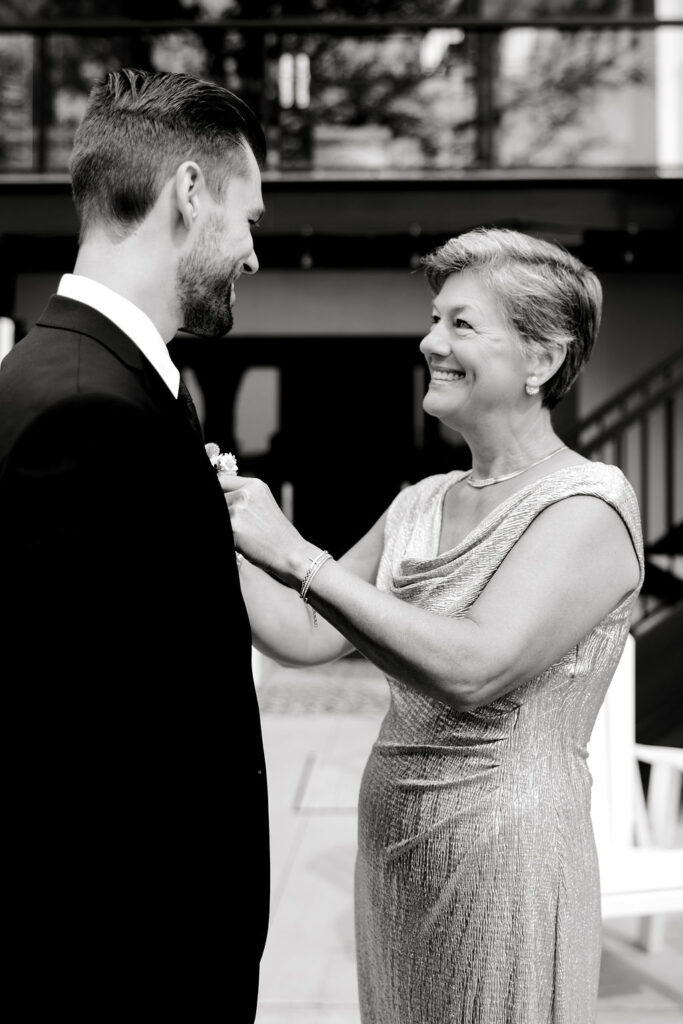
(435, 319)
(462, 324)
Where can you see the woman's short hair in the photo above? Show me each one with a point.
(548, 296)
(138, 127)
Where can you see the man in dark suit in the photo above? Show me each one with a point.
(135, 802)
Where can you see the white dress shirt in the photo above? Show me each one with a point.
(131, 320)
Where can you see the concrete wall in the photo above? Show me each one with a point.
(643, 314)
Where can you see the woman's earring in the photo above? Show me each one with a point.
(532, 386)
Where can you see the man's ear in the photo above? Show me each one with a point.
(188, 187)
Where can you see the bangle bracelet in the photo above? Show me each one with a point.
(315, 565)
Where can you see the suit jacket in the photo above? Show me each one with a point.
(137, 820)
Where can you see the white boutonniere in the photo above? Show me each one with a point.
(223, 462)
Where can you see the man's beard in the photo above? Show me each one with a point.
(205, 288)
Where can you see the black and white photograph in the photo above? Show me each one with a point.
(341, 510)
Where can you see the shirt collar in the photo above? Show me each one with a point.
(129, 318)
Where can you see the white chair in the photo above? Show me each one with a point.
(641, 870)
(6, 336)
(257, 664)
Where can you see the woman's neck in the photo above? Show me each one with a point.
(503, 448)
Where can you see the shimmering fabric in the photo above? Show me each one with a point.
(477, 889)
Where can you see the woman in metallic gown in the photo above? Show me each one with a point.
(497, 602)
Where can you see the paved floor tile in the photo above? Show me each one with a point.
(318, 727)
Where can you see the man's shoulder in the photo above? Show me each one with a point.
(53, 368)
(51, 363)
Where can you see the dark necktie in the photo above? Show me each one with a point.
(189, 408)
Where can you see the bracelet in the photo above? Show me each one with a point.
(315, 565)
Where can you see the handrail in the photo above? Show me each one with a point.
(624, 396)
(630, 427)
(613, 431)
(333, 26)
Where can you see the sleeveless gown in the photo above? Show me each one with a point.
(477, 887)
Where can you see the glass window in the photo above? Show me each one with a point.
(415, 97)
(16, 103)
(257, 410)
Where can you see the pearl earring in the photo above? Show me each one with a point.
(532, 386)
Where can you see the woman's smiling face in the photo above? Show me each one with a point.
(476, 360)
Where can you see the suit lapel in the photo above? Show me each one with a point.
(70, 315)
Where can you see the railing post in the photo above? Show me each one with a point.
(644, 474)
(40, 98)
(669, 462)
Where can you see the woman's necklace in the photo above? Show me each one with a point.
(508, 476)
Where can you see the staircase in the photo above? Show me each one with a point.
(641, 431)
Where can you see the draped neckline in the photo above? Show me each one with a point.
(489, 520)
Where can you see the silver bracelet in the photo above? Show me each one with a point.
(313, 568)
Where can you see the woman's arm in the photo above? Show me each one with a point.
(282, 625)
(570, 568)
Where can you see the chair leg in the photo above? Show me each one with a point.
(641, 819)
(257, 667)
(663, 803)
(651, 934)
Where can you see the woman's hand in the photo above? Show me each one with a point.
(262, 532)
(570, 568)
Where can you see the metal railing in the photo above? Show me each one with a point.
(641, 431)
(255, 48)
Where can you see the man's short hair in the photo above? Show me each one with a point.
(139, 126)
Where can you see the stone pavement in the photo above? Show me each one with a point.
(318, 727)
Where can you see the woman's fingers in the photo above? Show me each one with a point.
(252, 500)
(250, 492)
(231, 482)
(261, 530)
